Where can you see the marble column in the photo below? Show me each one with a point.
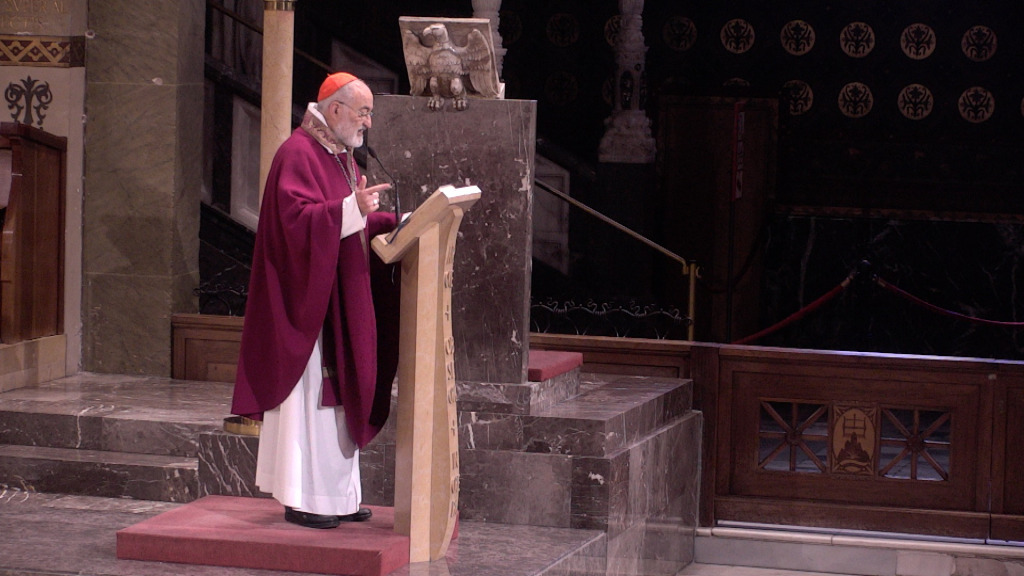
(628, 138)
(143, 175)
(489, 9)
(276, 86)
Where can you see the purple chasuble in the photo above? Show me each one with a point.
(305, 279)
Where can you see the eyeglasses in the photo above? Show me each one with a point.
(364, 113)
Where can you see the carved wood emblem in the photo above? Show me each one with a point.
(853, 439)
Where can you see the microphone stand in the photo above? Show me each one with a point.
(399, 223)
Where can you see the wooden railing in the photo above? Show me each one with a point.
(914, 444)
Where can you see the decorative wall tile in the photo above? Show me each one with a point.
(42, 51)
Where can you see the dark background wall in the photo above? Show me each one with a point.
(857, 178)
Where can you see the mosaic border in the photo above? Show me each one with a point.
(48, 51)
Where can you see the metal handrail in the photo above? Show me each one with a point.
(690, 269)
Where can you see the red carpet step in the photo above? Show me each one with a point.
(252, 533)
(546, 364)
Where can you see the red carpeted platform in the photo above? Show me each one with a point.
(546, 364)
(252, 533)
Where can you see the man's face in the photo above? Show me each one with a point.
(350, 117)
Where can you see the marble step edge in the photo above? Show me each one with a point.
(96, 456)
(854, 552)
(601, 421)
(99, 473)
(113, 432)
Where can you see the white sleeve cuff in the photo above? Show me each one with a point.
(352, 221)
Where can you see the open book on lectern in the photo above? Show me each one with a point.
(391, 247)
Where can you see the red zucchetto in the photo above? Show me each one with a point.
(333, 83)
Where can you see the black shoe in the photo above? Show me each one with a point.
(310, 520)
(361, 515)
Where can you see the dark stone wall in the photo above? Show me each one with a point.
(898, 143)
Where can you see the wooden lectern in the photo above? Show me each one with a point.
(427, 445)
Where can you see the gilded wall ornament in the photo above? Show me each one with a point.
(737, 36)
(857, 39)
(679, 33)
(979, 43)
(976, 104)
(915, 101)
(797, 37)
(856, 100)
(918, 41)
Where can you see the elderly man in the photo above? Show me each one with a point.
(308, 366)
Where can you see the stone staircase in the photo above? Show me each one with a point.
(108, 436)
(614, 454)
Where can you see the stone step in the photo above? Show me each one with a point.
(607, 416)
(856, 553)
(110, 432)
(99, 473)
(133, 414)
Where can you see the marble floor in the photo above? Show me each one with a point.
(53, 534)
(722, 570)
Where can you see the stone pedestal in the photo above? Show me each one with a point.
(489, 145)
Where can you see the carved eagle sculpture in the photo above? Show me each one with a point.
(438, 67)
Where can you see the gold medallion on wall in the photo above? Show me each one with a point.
(853, 439)
(563, 30)
(679, 33)
(561, 88)
(918, 41)
(857, 39)
(797, 37)
(737, 36)
(976, 104)
(979, 43)
(856, 100)
(915, 101)
(797, 96)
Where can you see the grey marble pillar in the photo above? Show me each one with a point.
(144, 114)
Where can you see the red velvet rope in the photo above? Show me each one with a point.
(943, 311)
(799, 313)
(901, 293)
